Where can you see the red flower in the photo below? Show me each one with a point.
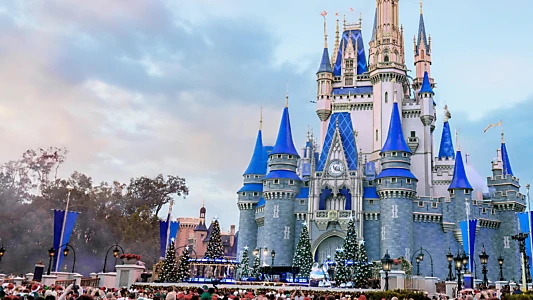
(130, 256)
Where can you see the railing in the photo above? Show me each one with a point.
(65, 283)
(90, 282)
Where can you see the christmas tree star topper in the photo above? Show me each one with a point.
(245, 247)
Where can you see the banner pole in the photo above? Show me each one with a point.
(63, 229)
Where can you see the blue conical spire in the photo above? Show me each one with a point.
(459, 181)
(507, 170)
(325, 64)
(284, 143)
(446, 143)
(257, 164)
(421, 32)
(426, 85)
(395, 140)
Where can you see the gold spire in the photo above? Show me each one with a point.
(420, 6)
(360, 19)
(287, 96)
(261, 119)
(447, 114)
(344, 24)
(503, 138)
(325, 34)
(336, 47)
(457, 140)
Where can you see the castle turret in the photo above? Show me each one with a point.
(460, 190)
(324, 78)
(422, 49)
(427, 117)
(281, 185)
(250, 194)
(396, 187)
(445, 161)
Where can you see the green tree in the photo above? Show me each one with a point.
(244, 265)
(341, 271)
(184, 266)
(303, 257)
(169, 271)
(255, 268)
(215, 249)
(363, 269)
(351, 244)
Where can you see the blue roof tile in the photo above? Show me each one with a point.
(422, 33)
(395, 140)
(304, 193)
(284, 143)
(426, 85)
(347, 137)
(361, 58)
(507, 170)
(282, 174)
(353, 90)
(396, 172)
(251, 187)
(370, 192)
(446, 143)
(459, 180)
(261, 202)
(257, 164)
(325, 64)
(200, 227)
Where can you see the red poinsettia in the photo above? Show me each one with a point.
(130, 256)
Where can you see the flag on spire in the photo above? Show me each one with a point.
(324, 14)
(493, 125)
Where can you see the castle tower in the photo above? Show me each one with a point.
(200, 233)
(460, 190)
(324, 78)
(445, 161)
(387, 69)
(281, 185)
(422, 51)
(427, 116)
(250, 194)
(396, 187)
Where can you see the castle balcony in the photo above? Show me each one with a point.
(413, 143)
(385, 65)
(323, 217)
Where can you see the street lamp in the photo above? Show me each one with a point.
(417, 266)
(116, 253)
(386, 265)
(273, 254)
(421, 255)
(458, 264)
(449, 257)
(465, 261)
(66, 252)
(484, 259)
(500, 262)
(51, 254)
(521, 238)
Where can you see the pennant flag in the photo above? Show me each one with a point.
(468, 233)
(493, 125)
(524, 227)
(324, 13)
(337, 14)
(63, 228)
(163, 231)
(351, 9)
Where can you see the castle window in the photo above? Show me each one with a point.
(264, 183)
(483, 210)
(394, 180)
(376, 134)
(404, 154)
(290, 156)
(371, 202)
(256, 176)
(474, 202)
(256, 194)
(279, 156)
(386, 58)
(276, 181)
(493, 211)
(302, 201)
(434, 205)
(413, 134)
(243, 193)
(467, 192)
(306, 183)
(408, 180)
(386, 97)
(291, 182)
(394, 153)
(420, 203)
(379, 181)
(247, 176)
(370, 183)
(451, 192)
(349, 63)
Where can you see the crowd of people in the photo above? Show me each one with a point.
(35, 291)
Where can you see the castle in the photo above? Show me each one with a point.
(375, 161)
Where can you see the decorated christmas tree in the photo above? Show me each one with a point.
(214, 247)
(303, 257)
(244, 265)
(351, 244)
(255, 268)
(169, 272)
(184, 265)
(341, 271)
(363, 269)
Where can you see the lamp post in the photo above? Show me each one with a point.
(465, 261)
(419, 258)
(500, 262)
(2, 252)
(51, 254)
(116, 253)
(66, 252)
(257, 252)
(521, 238)
(484, 259)
(417, 266)
(449, 257)
(386, 265)
(273, 255)
(458, 266)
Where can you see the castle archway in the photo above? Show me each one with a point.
(326, 244)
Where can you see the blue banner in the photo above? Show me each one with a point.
(524, 227)
(62, 234)
(468, 233)
(370, 170)
(163, 230)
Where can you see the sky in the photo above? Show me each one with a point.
(142, 87)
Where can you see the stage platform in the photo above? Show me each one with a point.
(255, 286)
